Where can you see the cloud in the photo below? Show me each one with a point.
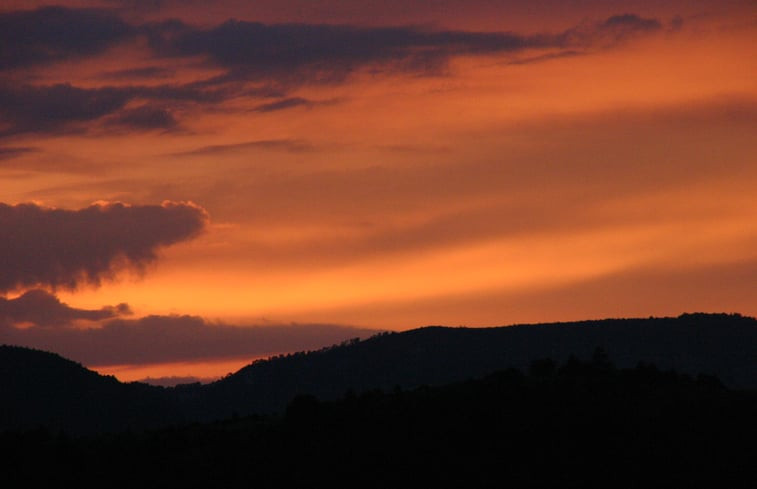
(291, 145)
(282, 104)
(52, 247)
(258, 60)
(570, 53)
(200, 92)
(41, 308)
(630, 23)
(162, 339)
(613, 30)
(291, 53)
(50, 108)
(51, 34)
(306, 53)
(29, 108)
(145, 117)
(150, 72)
(320, 52)
(9, 152)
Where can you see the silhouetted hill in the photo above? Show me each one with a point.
(724, 345)
(579, 425)
(43, 389)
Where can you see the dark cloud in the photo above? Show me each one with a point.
(282, 104)
(630, 23)
(260, 60)
(30, 108)
(9, 152)
(325, 52)
(150, 5)
(299, 53)
(65, 248)
(151, 72)
(159, 339)
(201, 92)
(613, 30)
(145, 117)
(620, 28)
(569, 53)
(52, 108)
(291, 145)
(41, 308)
(287, 53)
(52, 34)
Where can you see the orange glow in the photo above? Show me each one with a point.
(205, 371)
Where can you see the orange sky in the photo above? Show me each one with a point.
(600, 162)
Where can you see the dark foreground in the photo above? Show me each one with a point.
(584, 424)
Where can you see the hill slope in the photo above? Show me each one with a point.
(43, 389)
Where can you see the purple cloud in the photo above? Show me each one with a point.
(41, 308)
(49, 247)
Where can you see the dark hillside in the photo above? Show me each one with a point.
(723, 345)
(43, 389)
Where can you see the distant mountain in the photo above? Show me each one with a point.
(723, 345)
(41, 389)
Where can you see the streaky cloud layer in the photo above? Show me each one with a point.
(254, 58)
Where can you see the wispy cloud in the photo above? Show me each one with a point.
(289, 145)
(570, 53)
(145, 117)
(9, 152)
(283, 104)
(146, 72)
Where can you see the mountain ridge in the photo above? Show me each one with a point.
(723, 345)
(720, 345)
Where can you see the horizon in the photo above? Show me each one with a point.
(186, 187)
(173, 374)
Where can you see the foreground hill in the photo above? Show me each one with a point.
(723, 345)
(38, 388)
(579, 425)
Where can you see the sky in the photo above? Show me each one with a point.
(187, 186)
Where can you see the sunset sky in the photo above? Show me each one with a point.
(186, 186)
